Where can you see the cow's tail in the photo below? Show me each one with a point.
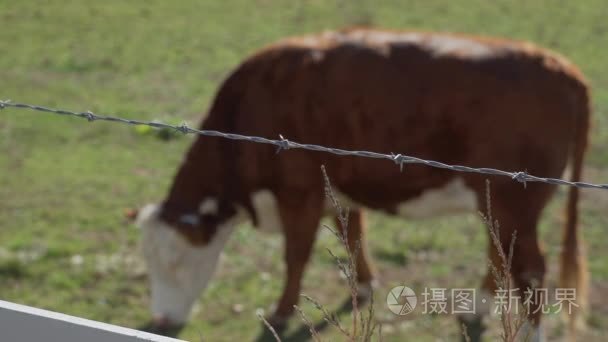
(573, 268)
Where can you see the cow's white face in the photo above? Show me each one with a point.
(177, 270)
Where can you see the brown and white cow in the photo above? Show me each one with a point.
(458, 99)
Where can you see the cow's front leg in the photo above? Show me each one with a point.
(300, 215)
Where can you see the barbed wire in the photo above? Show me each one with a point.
(283, 144)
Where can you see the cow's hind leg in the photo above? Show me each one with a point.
(518, 209)
(357, 244)
(300, 215)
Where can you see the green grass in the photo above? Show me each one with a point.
(65, 183)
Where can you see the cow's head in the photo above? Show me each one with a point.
(181, 250)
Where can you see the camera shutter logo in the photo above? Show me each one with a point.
(401, 300)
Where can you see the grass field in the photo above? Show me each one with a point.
(64, 244)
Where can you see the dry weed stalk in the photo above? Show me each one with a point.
(465, 333)
(363, 325)
(511, 324)
(313, 332)
(270, 328)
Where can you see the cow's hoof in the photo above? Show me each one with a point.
(165, 329)
(474, 327)
(531, 333)
(365, 291)
(278, 322)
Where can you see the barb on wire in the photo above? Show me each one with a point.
(183, 128)
(399, 160)
(520, 177)
(284, 144)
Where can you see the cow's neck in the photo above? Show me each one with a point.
(199, 176)
(209, 169)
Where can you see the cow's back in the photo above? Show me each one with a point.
(457, 99)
